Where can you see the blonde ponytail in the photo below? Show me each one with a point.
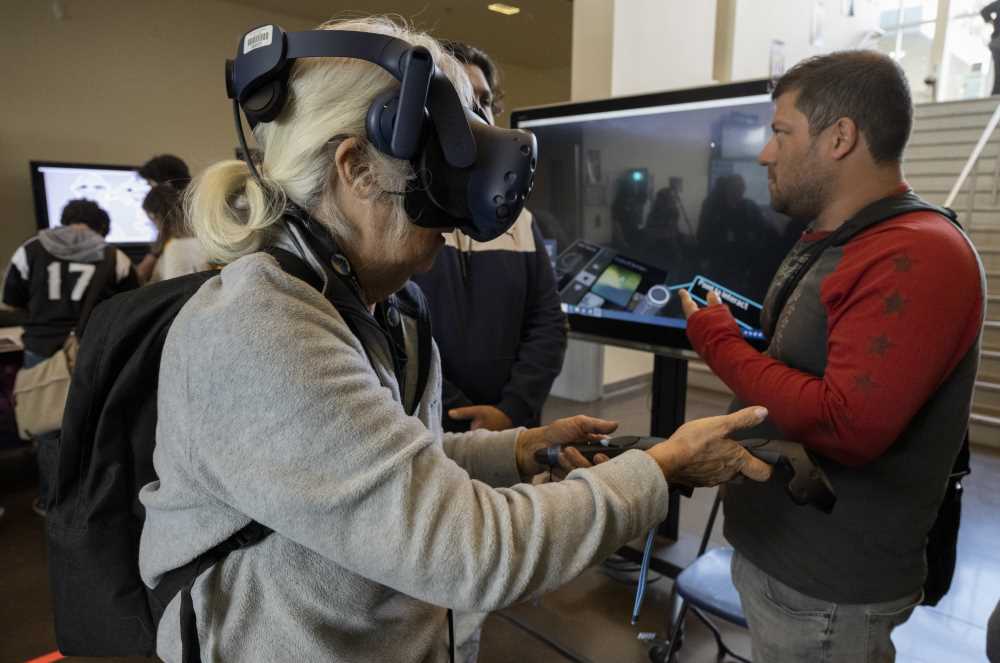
(229, 213)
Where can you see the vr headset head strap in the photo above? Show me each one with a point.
(258, 81)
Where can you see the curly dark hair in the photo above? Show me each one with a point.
(88, 213)
(166, 169)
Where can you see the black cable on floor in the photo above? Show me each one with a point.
(539, 635)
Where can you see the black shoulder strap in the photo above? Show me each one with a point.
(182, 580)
(295, 266)
(798, 264)
(413, 303)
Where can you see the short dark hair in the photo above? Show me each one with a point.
(468, 54)
(166, 169)
(866, 86)
(88, 213)
(165, 202)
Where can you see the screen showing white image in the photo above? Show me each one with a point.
(118, 192)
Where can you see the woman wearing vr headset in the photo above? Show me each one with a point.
(301, 411)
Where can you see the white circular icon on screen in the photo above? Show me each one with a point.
(658, 295)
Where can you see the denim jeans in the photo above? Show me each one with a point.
(46, 445)
(787, 626)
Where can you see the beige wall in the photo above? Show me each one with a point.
(117, 81)
(525, 87)
(114, 81)
(791, 21)
(662, 45)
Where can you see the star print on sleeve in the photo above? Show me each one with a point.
(864, 383)
(903, 262)
(895, 304)
(880, 345)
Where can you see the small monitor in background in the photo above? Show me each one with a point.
(117, 189)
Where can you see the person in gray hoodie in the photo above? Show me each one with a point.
(49, 277)
(270, 409)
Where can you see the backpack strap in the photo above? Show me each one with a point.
(797, 265)
(413, 303)
(181, 580)
(295, 266)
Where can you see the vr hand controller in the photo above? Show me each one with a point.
(808, 483)
(611, 447)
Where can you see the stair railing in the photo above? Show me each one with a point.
(970, 168)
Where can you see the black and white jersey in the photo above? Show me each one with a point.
(50, 275)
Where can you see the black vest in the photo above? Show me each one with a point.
(872, 548)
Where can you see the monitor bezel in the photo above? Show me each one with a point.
(38, 192)
(654, 338)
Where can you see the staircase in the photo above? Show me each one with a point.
(944, 136)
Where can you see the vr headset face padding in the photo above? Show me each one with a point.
(471, 175)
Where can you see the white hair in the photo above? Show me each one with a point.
(328, 98)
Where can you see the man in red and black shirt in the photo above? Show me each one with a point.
(871, 366)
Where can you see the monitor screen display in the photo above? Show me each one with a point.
(117, 189)
(639, 197)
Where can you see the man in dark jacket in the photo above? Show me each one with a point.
(871, 366)
(494, 307)
(49, 276)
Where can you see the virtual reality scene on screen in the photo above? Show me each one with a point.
(635, 205)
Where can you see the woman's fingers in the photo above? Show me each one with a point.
(592, 426)
(571, 458)
(754, 468)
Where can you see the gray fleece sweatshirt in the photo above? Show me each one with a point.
(269, 410)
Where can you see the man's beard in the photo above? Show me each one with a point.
(803, 200)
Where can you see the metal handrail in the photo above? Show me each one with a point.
(974, 157)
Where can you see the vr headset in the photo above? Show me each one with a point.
(470, 175)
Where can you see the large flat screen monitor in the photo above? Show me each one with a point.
(117, 189)
(638, 197)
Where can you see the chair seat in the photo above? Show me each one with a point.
(708, 584)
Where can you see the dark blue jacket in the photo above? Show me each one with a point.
(498, 323)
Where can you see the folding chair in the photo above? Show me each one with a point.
(706, 586)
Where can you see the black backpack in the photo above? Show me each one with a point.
(101, 605)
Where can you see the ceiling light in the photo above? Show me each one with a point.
(506, 10)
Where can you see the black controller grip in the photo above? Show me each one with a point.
(612, 447)
(809, 484)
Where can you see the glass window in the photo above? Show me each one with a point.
(967, 68)
(911, 47)
(913, 37)
(909, 29)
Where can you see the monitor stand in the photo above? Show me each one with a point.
(671, 552)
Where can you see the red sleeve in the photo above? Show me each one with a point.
(903, 307)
